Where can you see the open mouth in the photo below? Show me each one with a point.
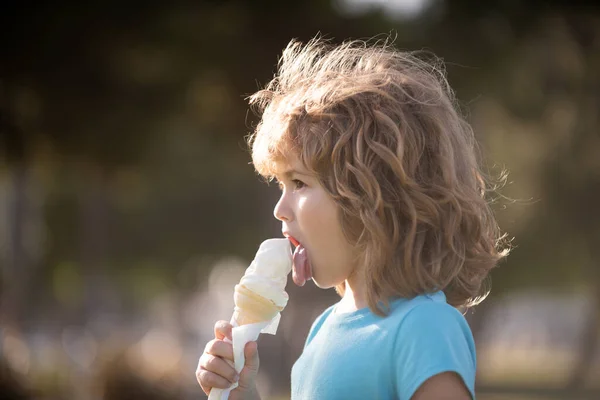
(301, 268)
(293, 242)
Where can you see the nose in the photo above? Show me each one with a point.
(282, 210)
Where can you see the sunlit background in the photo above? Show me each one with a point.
(129, 209)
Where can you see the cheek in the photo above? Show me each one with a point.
(331, 270)
(333, 257)
(314, 215)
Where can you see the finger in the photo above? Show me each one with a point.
(209, 380)
(205, 387)
(250, 370)
(251, 355)
(223, 330)
(218, 366)
(219, 348)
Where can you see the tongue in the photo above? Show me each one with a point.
(301, 266)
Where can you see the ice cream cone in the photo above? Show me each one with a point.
(250, 307)
(259, 298)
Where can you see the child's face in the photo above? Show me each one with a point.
(310, 216)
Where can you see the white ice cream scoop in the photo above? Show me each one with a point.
(267, 274)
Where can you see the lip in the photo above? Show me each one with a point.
(292, 239)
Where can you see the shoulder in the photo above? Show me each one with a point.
(427, 313)
(435, 325)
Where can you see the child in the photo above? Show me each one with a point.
(383, 198)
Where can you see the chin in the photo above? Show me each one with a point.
(320, 285)
(324, 284)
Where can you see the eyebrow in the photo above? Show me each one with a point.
(288, 174)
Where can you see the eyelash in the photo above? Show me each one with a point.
(296, 182)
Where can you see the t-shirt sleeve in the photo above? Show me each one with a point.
(433, 338)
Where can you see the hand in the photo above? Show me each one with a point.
(216, 370)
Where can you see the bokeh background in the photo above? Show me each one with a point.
(128, 207)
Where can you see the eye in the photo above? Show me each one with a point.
(298, 184)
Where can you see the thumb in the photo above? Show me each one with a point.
(250, 370)
(251, 355)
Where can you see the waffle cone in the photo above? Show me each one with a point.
(250, 307)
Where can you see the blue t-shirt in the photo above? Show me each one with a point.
(359, 355)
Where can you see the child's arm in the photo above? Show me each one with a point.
(445, 386)
(215, 368)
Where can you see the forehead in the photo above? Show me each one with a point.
(284, 168)
(280, 147)
(292, 164)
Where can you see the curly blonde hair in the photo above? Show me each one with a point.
(381, 131)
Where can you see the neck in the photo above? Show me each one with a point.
(354, 297)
